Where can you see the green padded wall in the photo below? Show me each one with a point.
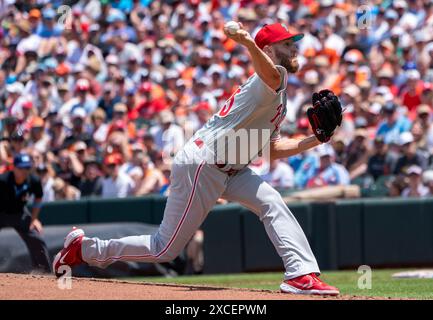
(397, 232)
(64, 212)
(349, 232)
(158, 207)
(324, 239)
(118, 210)
(223, 240)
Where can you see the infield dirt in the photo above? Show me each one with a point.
(44, 287)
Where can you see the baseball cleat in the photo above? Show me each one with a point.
(70, 255)
(308, 284)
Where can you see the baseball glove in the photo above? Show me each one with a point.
(325, 114)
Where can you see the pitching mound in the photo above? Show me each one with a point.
(36, 287)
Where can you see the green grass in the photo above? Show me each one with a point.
(383, 285)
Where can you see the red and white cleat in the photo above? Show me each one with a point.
(308, 284)
(70, 255)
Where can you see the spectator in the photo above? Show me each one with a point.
(357, 154)
(99, 127)
(138, 154)
(91, 183)
(47, 182)
(168, 135)
(69, 168)
(121, 121)
(424, 128)
(115, 184)
(415, 187)
(280, 175)
(15, 100)
(38, 138)
(396, 186)
(108, 100)
(10, 126)
(411, 155)
(84, 100)
(14, 146)
(393, 124)
(57, 135)
(412, 94)
(64, 191)
(80, 149)
(304, 165)
(78, 131)
(427, 178)
(166, 172)
(381, 162)
(151, 148)
(151, 180)
(328, 172)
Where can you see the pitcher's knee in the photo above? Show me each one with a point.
(165, 252)
(167, 256)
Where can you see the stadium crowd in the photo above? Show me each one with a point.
(104, 96)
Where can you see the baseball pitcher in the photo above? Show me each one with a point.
(204, 171)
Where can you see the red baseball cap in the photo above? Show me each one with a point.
(113, 158)
(27, 104)
(83, 85)
(271, 33)
(145, 87)
(303, 123)
(204, 105)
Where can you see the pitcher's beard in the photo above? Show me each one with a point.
(291, 65)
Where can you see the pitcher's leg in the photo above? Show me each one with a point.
(195, 189)
(281, 226)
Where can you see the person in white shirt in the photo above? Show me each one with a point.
(280, 175)
(47, 183)
(427, 178)
(99, 127)
(115, 184)
(15, 99)
(415, 188)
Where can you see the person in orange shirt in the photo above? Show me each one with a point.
(348, 72)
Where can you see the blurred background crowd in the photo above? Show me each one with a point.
(104, 95)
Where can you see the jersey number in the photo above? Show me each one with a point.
(228, 105)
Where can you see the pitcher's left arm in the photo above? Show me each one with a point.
(284, 148)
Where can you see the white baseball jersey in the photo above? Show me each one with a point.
(254, 109)
(196, 184)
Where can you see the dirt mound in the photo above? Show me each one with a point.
(37, 287)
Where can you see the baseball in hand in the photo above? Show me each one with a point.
(232, 27)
